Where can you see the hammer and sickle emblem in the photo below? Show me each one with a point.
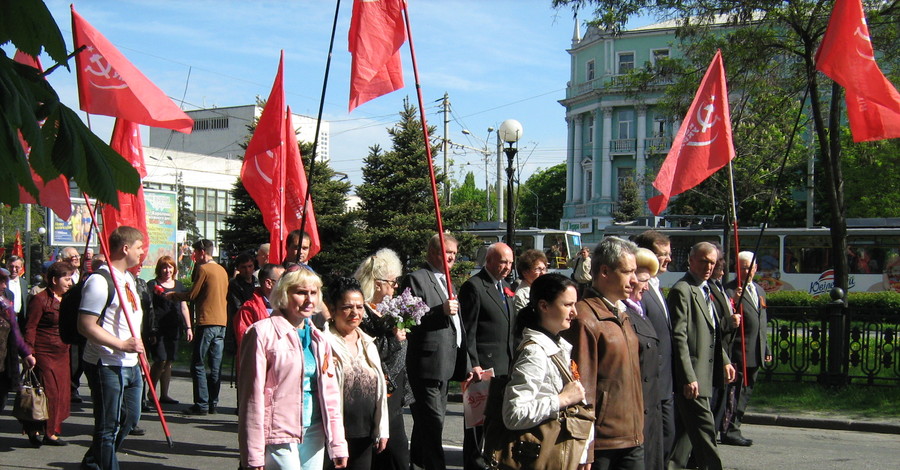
(103, 70)
(709, 120)
(862, 32)
(262, 174)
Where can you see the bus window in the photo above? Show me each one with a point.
(871, 254)
(555, 250)
(812, 254)
(573, 245)
(523, 242)
(681, 248)
(767, 255)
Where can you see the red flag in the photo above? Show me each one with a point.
(17, 246)
(263, 170)
(703, 144)
(376, 34)
(109, 84)
(847, 57)
(295, 190)
(55, 193)
(126, 139)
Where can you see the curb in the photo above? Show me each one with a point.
(835, 424)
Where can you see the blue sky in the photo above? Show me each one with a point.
(497, 59)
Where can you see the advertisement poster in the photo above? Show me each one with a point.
(162, 227)
(73, 231)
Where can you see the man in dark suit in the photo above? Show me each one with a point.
(486, 307)
(436, 354)
(754, 317)
(654, 304)
(699, 360)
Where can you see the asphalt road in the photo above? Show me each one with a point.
(210, 442)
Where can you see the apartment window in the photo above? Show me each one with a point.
(589, 184)
(626, 62)
(659, 54)
(623, 175)
(591, 132)
(626, 123)
(589, 71)
(208, 124)
(659, 127)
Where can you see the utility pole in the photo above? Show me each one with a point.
(446, 144)
(499, 179)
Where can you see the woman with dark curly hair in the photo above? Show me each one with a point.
(51, 354)
(359, 373)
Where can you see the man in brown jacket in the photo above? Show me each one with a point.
(209, 295)
(605, 348)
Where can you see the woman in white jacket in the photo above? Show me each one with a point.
(359, 373)
(536, 392)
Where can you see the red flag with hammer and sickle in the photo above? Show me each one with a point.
(703, 144)
(109, 84)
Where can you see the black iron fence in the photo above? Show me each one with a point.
(833, 345)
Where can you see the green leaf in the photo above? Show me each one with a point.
(29, 25)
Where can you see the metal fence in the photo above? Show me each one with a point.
(833, 345)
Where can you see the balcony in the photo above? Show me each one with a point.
(608, 83)
(657, 145)
(622, 145)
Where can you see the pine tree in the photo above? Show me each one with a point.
(630, 205)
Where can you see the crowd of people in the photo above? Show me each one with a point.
(324, 373)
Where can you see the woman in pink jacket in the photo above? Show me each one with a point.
(283, 426)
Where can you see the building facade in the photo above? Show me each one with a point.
(220, 132)
(614, 133)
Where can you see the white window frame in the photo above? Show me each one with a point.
(590, 70)
(630, 124)
(654, 51)
(619, 61)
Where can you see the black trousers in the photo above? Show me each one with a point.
(631, 458)
(737, 408)
(426, 446)
(697, 431)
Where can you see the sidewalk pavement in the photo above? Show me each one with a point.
(210, 442)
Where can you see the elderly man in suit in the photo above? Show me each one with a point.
(757, 347)
(486, 306)
(699, 360)
(18, 285)
(654, 304)
(436, 354)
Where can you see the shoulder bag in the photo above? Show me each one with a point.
(31, 401)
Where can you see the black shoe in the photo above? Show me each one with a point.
(76, 398)
(736, 441)
(55, 442)
(212, 409)
(168, 401)
(35, 439)
(196, 411)
(137, 431)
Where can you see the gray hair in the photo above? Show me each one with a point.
(609, 252)
(703, 247)
(745, 256)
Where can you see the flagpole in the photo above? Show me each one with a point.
(737, 250)
(126, 309)
(312, 158)
(434, 190)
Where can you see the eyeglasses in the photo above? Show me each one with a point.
(393, 283)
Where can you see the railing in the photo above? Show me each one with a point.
(654, 145)
(609, 82)
(833, 345)
(622, 145)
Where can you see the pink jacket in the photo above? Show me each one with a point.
(271, 398)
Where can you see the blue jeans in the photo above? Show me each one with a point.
(208, 346)
(116, 393)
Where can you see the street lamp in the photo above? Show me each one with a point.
(41, 231)
(510, 132)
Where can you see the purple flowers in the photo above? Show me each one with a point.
(406, 308)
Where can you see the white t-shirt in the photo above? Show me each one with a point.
(93, 298)
(15, 287)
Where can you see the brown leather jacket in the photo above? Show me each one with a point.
(605, 348)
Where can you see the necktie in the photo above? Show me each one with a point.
(636, 306)
(502, 295)
(709, 303)
(754, 297)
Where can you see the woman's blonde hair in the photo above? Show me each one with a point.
(292, 278)
(384, 264)
(645, 258)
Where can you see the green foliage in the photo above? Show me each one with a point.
(550, 187)
(887, 302)
(630, 205)
(62, 144)
(244, 229)
(396, 199)
(882, 403)
(467, 192)
(871, 173)
(187, 219)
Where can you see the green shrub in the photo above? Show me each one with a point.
(885, 302)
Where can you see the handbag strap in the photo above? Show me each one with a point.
(563, 369)
(29, 377)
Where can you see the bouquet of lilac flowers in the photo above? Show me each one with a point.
(406, 308)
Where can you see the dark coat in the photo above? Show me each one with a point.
(656, 313)
(432, 353)
(650, 358)
(755, 324)
(489, 323)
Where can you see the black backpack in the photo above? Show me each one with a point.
(70, 306)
